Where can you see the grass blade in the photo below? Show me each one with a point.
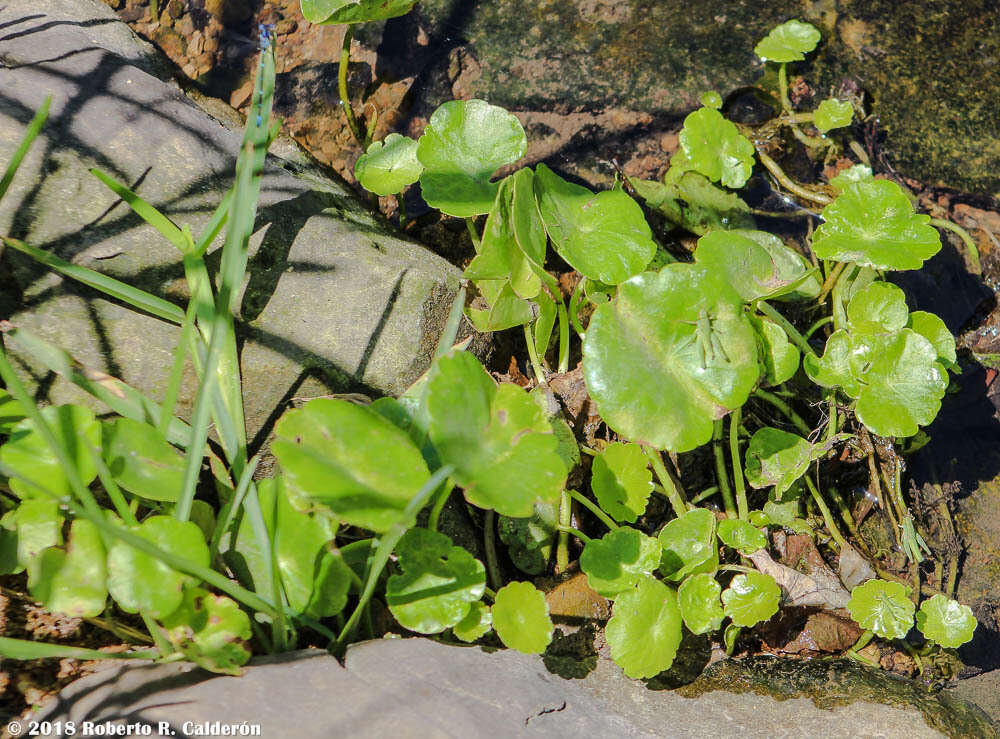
(181, 239)
(135, 297)
(24, 649)
(29, 137)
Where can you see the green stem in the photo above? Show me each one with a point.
(563, 336)
(830, 281)
(490, 593)
(671, 491)
(793, 333)
(860, 644)
(786, 104)
(565, 523)
(970, 245)
(574, 306)
(345, 98)
(162, 644)
(401, 205)
(470, 224)
(736, 568)
(536, 365)
(722, 476)
(111, 487)
(567, 530)
(831, 525)
(432, 521)
(704, 494)
(593, 508)
(785, 181)
(734, 456)
(489, 544)
(839, 312)
(785, 409)
(817, 326)
(832, 415)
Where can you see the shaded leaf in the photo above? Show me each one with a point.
(693, 203)
(333, 453)
(621, 481)
(529, 540)
(210, 630)
(72, 581)
(437, 583)
(832, 113)
(619, 560)
(688, 545)
(502, 445)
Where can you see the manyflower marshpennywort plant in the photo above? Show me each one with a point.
(787, 361)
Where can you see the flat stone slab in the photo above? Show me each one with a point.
(421, 688)
(332, 293)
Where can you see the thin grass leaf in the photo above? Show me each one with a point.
(120, 397)
(181, 239)
(29, 137)
(176, 373)
(451, 326)
(219, 218)
(228, 512)
(22, 649)
(135, 297)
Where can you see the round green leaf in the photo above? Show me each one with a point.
(498, 438)
(751, 597)
(618, 560)
(604, 235)
(27, 453)
(72, 581)
(437, 584)
(757, 264)
(698, 598)
(329, 12)
(210, 630)
(711, 99)
(741, 535)
(879, 307)
(645, 629)
(832, 113)
(521, 618)
(141, 461)
(688, 545)
(476, 623)
(333, 452)
(833, 369)
(932, 328)
(38, 524)
(882, 607)
(389, 166)
(139, 581)
(713, 146)
(621, 481)
(903, 383)
(781, 357)
(946, 621)
(672, 353)
(789, 42)
(873, 224)
(465, 142)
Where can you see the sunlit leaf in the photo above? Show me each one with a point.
(688, 545)
(389, 166)
(671, 354)
(780, 356)
(757, 264)
(882, 607)
(698, 598)
(946, 621)
(141, 461)
(72, 581)
(478, 622)
(741, 535)
(713, 146)
(872, 223)
(645, 629)
(604, 235)
(465, 142)
(521, 618)
(789, 42)
(832, 113)
(353, 11)
(210, 630)
(751, 597)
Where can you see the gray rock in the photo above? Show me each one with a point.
(335, 301)
(420, 688)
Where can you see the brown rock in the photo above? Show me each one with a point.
(241, 95)
(230, 11)
(175, 8)
(574, 598)
(171, 42)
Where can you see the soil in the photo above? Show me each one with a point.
(213, 46)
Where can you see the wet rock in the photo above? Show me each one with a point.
(230, 12)
(334, 301)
